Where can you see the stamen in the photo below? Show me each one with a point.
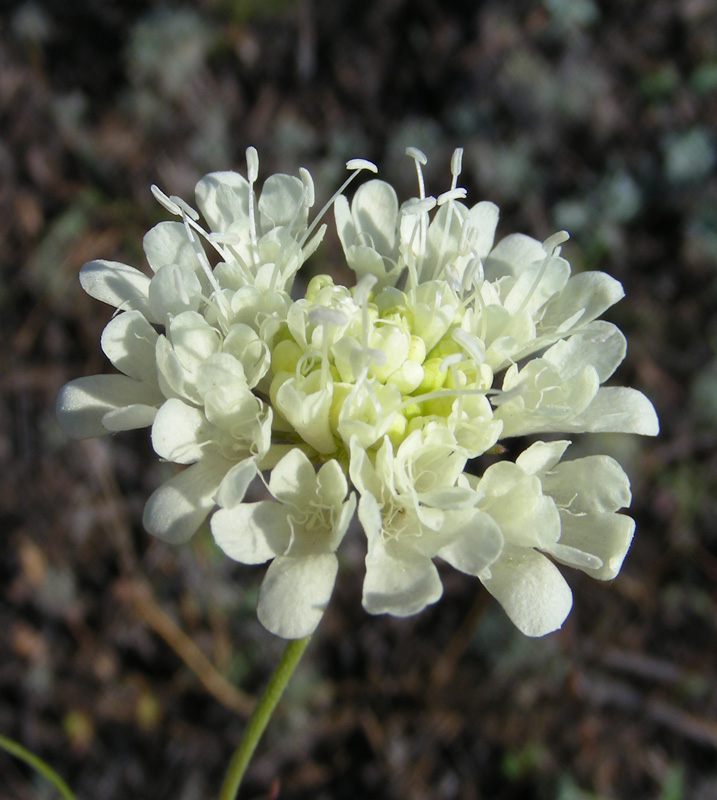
(201, 256)
(456, 164)
(417, 155)
(252, 164)
(473, 273)
(450, 361)
(359, 164)
(175, 205)
(472, 345)
(552, 244)
(438, 394)
(363, 288)
(356, 165)
(418, 205)
(453, 194)
(252, 168)
(328, 318)
(453, 278)
(321, 315)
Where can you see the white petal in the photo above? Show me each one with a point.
(223, 199)
(174, 289)
(175, 510)
(281, 203)
(536, 284)
(584, 298)
(82, 403)
(118, 285)
(606, 537)
(399, 581)
(541, 456)
(515, 501)
(531, 590)
(308, 411)
(512, 255)
(233, 488)
(374, 208)
(129, 341)
(129, 418)
(243, 343)
(484, 218)
(293, 479)
(168, 243)
(477, 545)
(617, 409)
(295, 593)
(596, 484)
(331, 485)
(252, 532)
(600, 344)
(180, 432)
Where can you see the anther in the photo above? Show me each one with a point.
(252, 164)
(457, 162)
(552, 244)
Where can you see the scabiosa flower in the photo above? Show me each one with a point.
(388, 390)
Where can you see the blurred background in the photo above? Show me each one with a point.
(120, 655)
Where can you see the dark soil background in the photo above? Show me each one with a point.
(119, 654)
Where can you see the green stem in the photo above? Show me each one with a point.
(38, 765)
(261, 716)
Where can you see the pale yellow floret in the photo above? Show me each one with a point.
(285, 356)
(316, 284)
(433, 376)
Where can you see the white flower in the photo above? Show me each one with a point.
(448, 344)
(567, 510)
(414, 507)
(300, 533)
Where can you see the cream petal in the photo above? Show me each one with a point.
(599, 345)
(295, 593)
(223, 199)
(168, 243)
(530, 589)
(83, 403)
(512, 255)
(596, 484)
(129, 418)
(233, 487)
(542, 456)
(293, 479)
(478, 543)
(617, 409)
(180, 432)
(129, 341)
(331, 485)
(173, 290)
(117, 285)
(484, 219)
(584, 298)
(605, 537)
(308, 411)
(252, 533)
(399, 581)
(282, 204)
(175, 511)
(536, 284)
(374, 209)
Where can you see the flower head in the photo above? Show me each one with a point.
(446, 345)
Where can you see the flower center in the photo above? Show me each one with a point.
(358, 364)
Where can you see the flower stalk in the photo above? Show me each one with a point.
(260, 717)
(38, 765)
